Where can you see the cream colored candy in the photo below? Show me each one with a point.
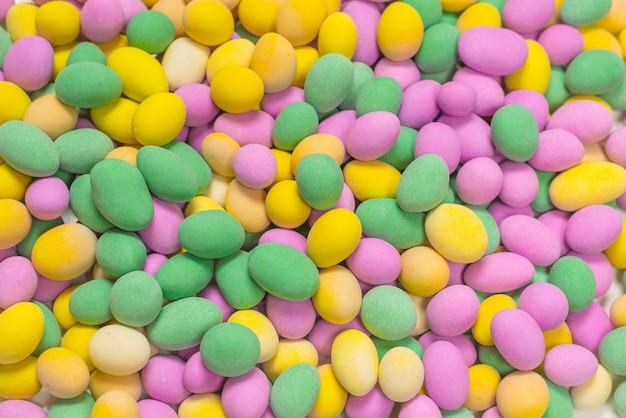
(185, 62)
(119, 350)
(354, 361)
(400, 374)
(594, 392)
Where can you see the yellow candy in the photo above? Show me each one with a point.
(333, 237)
(456, 232)
(617, 311)
(371, 179)
(201, 405)
(338, 296)
(534, 74)
(594, 392)
(120, 41)
(159, 119)
(481, 330)
(484, 381)
(305, 56)
(259, 16)
(283, 161)
(522, 394)
(21, 329)
(64, 252)
(456, 5)
(233, 52)
(116, 119)
(126, 153)
(332, 396)
(61, 308)
(400, 374)
(62, 372)
(115, 404)
(200, 203)
(142, 75)
(237, 89)
(598, 38)
(20, 20)
(101, 382)
(174, 9)
(400, 31)
(208, 22)
(58, 22)
(61, 54)
(289, 353)
(479, 14)
(424, 271)
(247, 206)
(77, 338)
(587, 184)
(274, 60)
(262, 327)
(616, 253)
(318, 143)
(15, 222)
(218, 150)
(354, 361)
(51, 115)
(285, 206)
(119, 350)
(299, 20)
(19, 380)
(15, 102)
(557, 336)
(14, 183)
(338, 35)
(185, 62)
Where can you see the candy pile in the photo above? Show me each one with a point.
(290, 208)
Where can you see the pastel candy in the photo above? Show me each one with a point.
(608, 72)
(230, 349)
(354, 361)
(518, 338)
(571, 150)
(79, 85)
(522, 392)
(499, 272)
(540, 246)
(577, 13)
(28, 149)
(515, 132)
(294, 392)
(89, 303)
(579, 293)
(462, 300)
(236, 398)
(399, 318)
(16, 343)
(400, 364)
(167, 175)
(415, 193)
(320, 180)
(328, 82)
(495, 51)
(399, 32)
(141, 74)
(518, 16)
(580, 236)
(439, 49)
(135, 299)
(446, 376)
(227, 235)
(570, 365)
(196, 162)
(28, 62)
(372, 135)
(588, 120)
(546, 303)
(379, 94)
(609, 353)
(72, 146)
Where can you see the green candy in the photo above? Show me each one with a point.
(560, 403)
(423, 184)
(5, 43)
(167, 175)
(611, 352)
(120, 193)
(383, 346)
(498, 4)
(388, 313)
(235, 283)
(28, 149)
(595, 71)
(582, 12)
(201, 169)
(182, 324)
(429, 10)
(89, 303)
(211, 234)
(441, 76)
(119, 252)
(576, 279)
(616, 97)
(541, 275)
(244, 33)
(363, 73)
(88, 84)
(380, 93)
(136, 299)
(402, 152)
(439, 50)
(557, 93)
(295, 391)
(619, 399)
(493, 232)
(230, 349)
(37, 228)
(294, 123)
(81, 149)
(461, 412)
(320, 180)
(83, 206)
(542, 202)
(283, 271)
(514, 132)
(51, 330)
(184, 275)
(78, 407)
(86, 52)
(328, 82)
(382, 218)
(151, 31)
(489, 354)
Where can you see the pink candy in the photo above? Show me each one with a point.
(525, 16)
(439, 138)
(292, 320)
(456, 98)
(18, 281)
(102, 20)
(479, 181)
(372, 135)
(459, 299)
(29, 62)
(561, 42)
(446, 376)
(253, 127)
(499, 272)
(588, 120)
(530, 238)
(569, 365)
(495, 51)
(545, 303)
(247, 395)
(255, 166)
(162, 378)
(518, 338)
(593, 228)
(375, 261)
(557, 150)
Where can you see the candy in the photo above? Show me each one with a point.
(510, 325)
(328, 82)
(522, 392)
(354, 361)
(89, 303)
(447, 382)
(56, 362)
(28, 149)
(414, 193)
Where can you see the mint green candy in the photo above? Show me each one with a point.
(51, 330)
(320, 180)
(388, 313)
(515, 132)
(582, 12)
(182, 323)
(78, 407)
(611, 352)
(461, 412)
(119, 252)
(429, 10)
(382, 218)
(136, 299)
(151, 31)
(81, 149)
(184, 275)
(423, 184)
(283, 271)
(542, 202)
(493, 231)
(199, 166)
(498, 4)
(244, 33)
(576, 279)
(489, 354)
(211, 234)
(363, 73)
(619, 399)
(595, 71)
(295, 391)
(383, 346)
(294, 123)
(439, 50)
(5, 43)
(616, 98)
(120, 193)
(235, 283)
(88, 84)
(28, 149)
(560, 403)
(89, 303)
(230, 349)
(441, 76)
(83, 206)
(328, 82)
(37, 228)
(402, 152)
(557, 93)
(167, 175)
(86, 52)
(380, 93)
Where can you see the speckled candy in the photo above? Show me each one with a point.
(495, 51)
(227, 234)
(461, 300)
(518, 338)
(569, 365)
(446, 376)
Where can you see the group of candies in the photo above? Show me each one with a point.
(290, 208)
